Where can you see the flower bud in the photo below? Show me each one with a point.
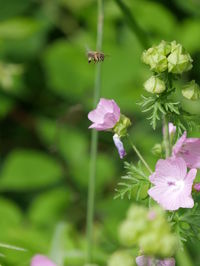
(155, 58)
(121, 258)
(157, 149)
(179, 61)
(154, 85)
(128, 235)
(197, 187)
(119, 145)
(191, 91)
(164, 47)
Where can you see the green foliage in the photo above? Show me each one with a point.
(158, 106)
(186, 224)
(135, 183)
(46, 89)
(28, 170)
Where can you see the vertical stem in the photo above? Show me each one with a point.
(166, 137)
(140, 156)
(94, 142)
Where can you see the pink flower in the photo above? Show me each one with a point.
(173, 185)
(119, 145)
(148, 261)
(172, 129)
(40, 260)
(189, 150)
(197, 187)
(105, 116)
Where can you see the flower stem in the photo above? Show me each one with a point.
(140, 156)
(94, 143)
(166, 137)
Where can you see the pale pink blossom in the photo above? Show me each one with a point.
(172, 129)
(172, 184)
(149, 261)
(189, 150)
(119, 145)
(105, 116)
(40, 260)
(197, 187)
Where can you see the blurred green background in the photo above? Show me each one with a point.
(46, 90)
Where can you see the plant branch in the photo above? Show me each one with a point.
(140, 156)
(166, 136)
(94, 142)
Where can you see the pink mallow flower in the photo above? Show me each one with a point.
(172, 184)
(105, 116)
(149, 261)
(40, 260)
(189, 150)
(119, 145)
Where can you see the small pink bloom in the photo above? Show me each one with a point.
(149, 261)
(105, 116)
(189, 150)
(40, 260)
(119, 145)
(197, 187)
(172, 129)
(173, 185)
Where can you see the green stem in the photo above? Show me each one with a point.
(140, 156)
(94, 143)
(166, 136)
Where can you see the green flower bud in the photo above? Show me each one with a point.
(122, 125)
(121, 258)
(136, 213)
(155, 58)
(128, 235)
(191, 91)
(179, 61)
(168, 245)
(154, 85)
(157, 149)
(164, 48)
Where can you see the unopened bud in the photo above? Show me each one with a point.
(191, 91)
(154, 85)
(179, 61)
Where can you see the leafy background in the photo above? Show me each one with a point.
(46, 88)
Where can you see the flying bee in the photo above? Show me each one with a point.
(95, 56)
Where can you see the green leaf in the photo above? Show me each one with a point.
(135, 183)
(27, 170)
(50, 207)
(18, 28)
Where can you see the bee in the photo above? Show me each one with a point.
(95, 56)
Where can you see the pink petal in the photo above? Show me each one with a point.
(149, 261)
(171, 167)
(40, 260)
(105, 116)
(179, 144)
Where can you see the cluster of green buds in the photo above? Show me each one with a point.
(149, 230)
(121, 258)
(168, 57)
